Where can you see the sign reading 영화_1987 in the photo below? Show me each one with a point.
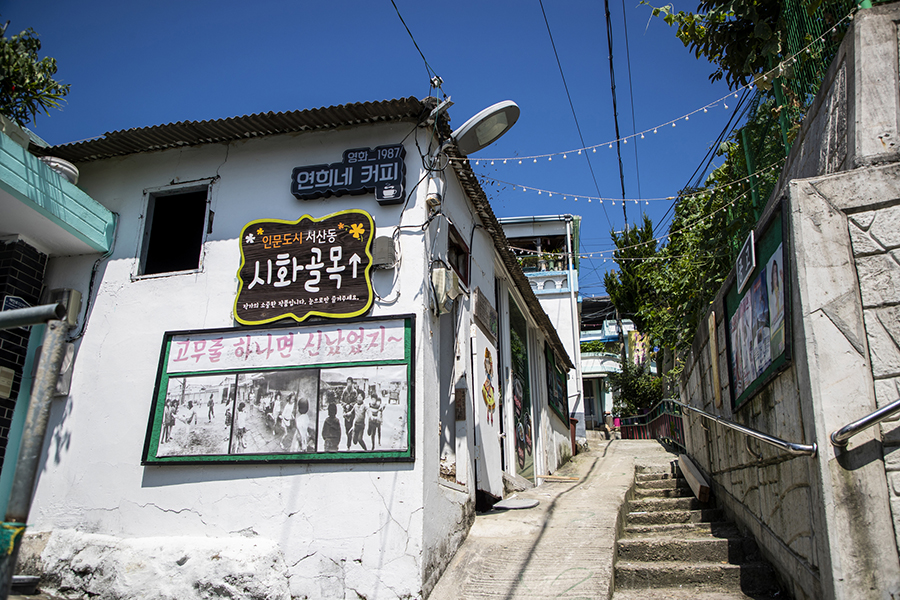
(381, 170)
(305, 267)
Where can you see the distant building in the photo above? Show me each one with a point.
(547, 249)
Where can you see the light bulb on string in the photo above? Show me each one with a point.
(564, 156)
(642, 136)
(595, 149)
(549, 158)
(535, 160)
(726, 106)
(654, 130)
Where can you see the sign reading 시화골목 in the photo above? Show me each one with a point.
(306, 267)
(381, 170)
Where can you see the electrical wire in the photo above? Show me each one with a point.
(612, 83)
(431, 72)
(637, 164)
(572, 106)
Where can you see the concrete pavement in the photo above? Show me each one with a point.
(562, 548)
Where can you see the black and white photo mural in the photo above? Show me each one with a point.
(295, 394)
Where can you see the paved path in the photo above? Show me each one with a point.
(563, 548)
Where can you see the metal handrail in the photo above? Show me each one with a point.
(789, 447)
(840, 437)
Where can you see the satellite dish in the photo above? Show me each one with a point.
(486, 127)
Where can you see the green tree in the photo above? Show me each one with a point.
(27, 87)
(631, 288)
(634, 389)
(742, 39)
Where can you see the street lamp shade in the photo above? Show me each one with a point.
(486, 127)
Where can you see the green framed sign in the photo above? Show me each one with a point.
(557, 386)
(322, 392)
(758, 317)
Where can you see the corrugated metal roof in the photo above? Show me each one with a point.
(473, 189)
(192, 133)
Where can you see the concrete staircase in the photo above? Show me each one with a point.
(675, 547)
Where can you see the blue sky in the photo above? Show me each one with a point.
(141, 63)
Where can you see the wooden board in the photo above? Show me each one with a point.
(694, 478)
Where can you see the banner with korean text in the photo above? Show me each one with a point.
(314, 393)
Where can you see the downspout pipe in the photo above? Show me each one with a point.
(52, 353)
(576, 325)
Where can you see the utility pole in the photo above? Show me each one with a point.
(52, 352)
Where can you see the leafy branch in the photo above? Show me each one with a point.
(27, 87)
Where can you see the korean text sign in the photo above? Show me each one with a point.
(381, 170)
(305, 267)
(301, 393)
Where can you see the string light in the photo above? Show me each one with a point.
(722, 187)
(767, 76)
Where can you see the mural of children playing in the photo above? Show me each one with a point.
(331, 430)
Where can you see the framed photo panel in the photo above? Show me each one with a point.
(759, 317)
(321, 392)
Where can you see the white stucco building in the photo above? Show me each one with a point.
(547, 248)
(264, 270)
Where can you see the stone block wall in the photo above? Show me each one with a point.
(21, 274)
(875, 237)
(766, 491)
(829, 523)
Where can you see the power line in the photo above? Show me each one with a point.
(612, 83)
(637, 164)
(571, 105)
(431, 72)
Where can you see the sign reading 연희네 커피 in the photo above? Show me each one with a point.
(306, 267)
(381, 171)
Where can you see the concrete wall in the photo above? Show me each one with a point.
(828, 523)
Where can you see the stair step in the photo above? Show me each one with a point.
(674, 492)
(655, 476)
(715, 529)
(732, 550)
(675, 516)
(665, 504)
(679, 482)
(693, 592)
(748, 577)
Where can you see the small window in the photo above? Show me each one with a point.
(458, 256)
(173, 234)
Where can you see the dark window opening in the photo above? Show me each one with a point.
(174, 234)
(458, 256)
